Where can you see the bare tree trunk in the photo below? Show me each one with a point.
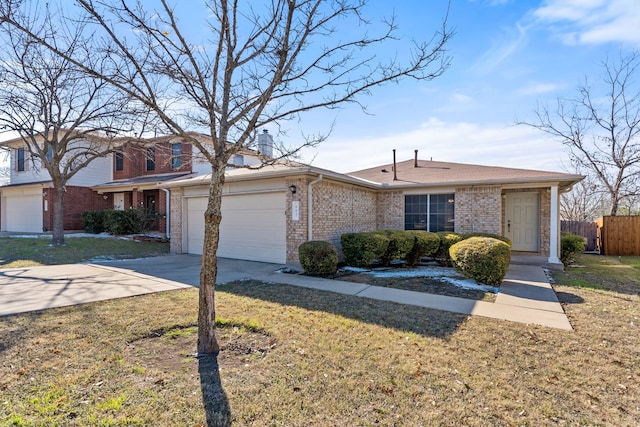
(58, 214)
(207, 342)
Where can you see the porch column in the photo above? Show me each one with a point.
(554, 226)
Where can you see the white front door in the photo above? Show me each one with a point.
(118, 201)
(523, 221)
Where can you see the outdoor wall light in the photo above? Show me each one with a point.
(104, 196)
(293, 188)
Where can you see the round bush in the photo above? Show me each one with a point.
(483, 259)
(361, 249)
(318, 258)
(426, 244)
(494, 236)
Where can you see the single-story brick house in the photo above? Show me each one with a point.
(268, 213)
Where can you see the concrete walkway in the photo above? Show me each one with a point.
(525, 296)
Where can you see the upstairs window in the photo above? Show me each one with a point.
(49, 153)
(151, 159)
(21, 159)
(176, 155)
(119, 160)
(429, 212)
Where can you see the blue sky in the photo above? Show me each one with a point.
(507, 56)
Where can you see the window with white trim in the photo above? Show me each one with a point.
(429, 212)
(21, 159)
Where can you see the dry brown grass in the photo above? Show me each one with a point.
(299, 357)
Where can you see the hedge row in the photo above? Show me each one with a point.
(481, 256)
(363, 249)
(112, 221)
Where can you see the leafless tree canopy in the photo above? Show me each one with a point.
(61, 114)
(258, 63)
(601, 128)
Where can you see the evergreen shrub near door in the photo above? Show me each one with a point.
(93, 221)
(570, 245)
(129, 221)
(318, 258)
(483, 259)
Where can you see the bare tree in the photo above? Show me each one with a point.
(62, 115)
(261, 63)
(601, 130)
(585, 202)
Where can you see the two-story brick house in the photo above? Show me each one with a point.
(127, 178)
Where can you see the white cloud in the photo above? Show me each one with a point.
(536, 88)
(461, 142)
(592, 21)
(502, 48)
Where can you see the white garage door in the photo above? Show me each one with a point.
(23, 213)
(253, 227)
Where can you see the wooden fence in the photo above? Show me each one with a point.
(619, 235)
(588, 230)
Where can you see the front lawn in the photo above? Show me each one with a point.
(34, 251)
(298, 357)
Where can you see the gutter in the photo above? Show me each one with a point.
(167, 213)
(310, 207)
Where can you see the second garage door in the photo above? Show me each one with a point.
(253, 227)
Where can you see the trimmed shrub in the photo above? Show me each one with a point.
(447, 239)
(361, 249)
(426, 244)
(484, 259)
(318, 258)
(129, 221)
(93, 221)
(400, 244)
(493, 236)
(570, 245)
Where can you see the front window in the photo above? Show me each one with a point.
(176, 155)
(429, 212)
(119, 160)
(151, 158)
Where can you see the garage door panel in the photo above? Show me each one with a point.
(23, 213)
(253, 227)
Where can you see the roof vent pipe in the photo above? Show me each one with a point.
(395, 174)
(415, 160)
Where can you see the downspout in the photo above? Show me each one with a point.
(310, 207)
(167, 208)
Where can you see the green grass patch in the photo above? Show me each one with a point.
(296, 356)
(612, 273)
(26, 252)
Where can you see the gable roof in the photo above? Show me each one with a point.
(421, 173)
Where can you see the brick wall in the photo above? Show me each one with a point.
(390, 210)
(478, 209)
(337, 208)
(76, 201)
(175, 221)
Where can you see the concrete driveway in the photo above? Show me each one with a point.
(38, 288)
